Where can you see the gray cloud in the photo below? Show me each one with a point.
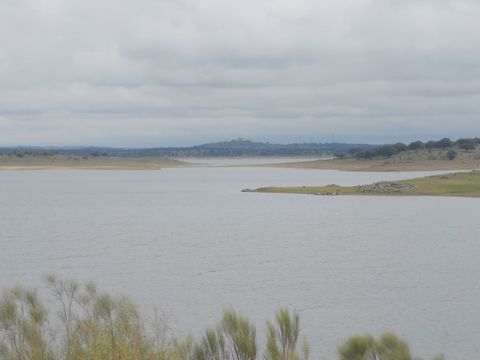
(170, 72)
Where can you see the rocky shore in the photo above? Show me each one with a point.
(387, 187)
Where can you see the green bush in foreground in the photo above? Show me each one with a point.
(365, 347)
(282, 338)
(93, 325)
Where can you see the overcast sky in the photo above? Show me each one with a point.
(179, 72)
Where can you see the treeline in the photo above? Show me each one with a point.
(242, 147)
(387, 151)
(234, 148)
(20, 152)
(94, 325)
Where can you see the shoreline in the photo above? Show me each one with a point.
(378, 165)
(39, 163)
(411, 160)
(461, 184)
(61, 163)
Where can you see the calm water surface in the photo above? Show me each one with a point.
(219, 161)
(191, 242)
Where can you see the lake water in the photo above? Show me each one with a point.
(219, 161)
(189, 241)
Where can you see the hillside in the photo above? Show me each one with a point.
(456, 156)
(239, 147)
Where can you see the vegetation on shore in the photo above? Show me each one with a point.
(242, 147)
(386, 151)
(444, 154)
(456, 184)
(89, 324)
(233, 148)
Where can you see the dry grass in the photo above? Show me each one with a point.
(420, 160)
(86, 163)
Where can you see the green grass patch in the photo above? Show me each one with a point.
(456, 184)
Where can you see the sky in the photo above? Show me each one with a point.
(183, 72)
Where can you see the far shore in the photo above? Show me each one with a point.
(405, 162)
(408, 161)
(13, 163)
(376, 165)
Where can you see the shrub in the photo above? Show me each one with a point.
(241, 336)
(212, 346)
(360, 347)
(451, 154)
(365, 347)
(390, 347)
(97, 326)
(23, 326)
(282, 338)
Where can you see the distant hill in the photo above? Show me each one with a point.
(238, 147)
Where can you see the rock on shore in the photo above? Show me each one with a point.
(387, 187)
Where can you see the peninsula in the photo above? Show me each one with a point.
(456, 184)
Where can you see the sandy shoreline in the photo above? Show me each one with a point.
(380, 165)
(77, 163)
(40, 163)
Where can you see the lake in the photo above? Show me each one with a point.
(189, 241)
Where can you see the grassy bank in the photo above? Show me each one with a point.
(457, 184)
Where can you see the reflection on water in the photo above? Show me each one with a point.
(189, 240)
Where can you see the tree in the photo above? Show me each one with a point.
(451, 154)
(354, 151)
(466, 144)
(386, 150)
(444, 143)
(400, 147)
(430, 144)
(416, 145)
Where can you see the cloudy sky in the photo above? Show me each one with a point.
(179, 72)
